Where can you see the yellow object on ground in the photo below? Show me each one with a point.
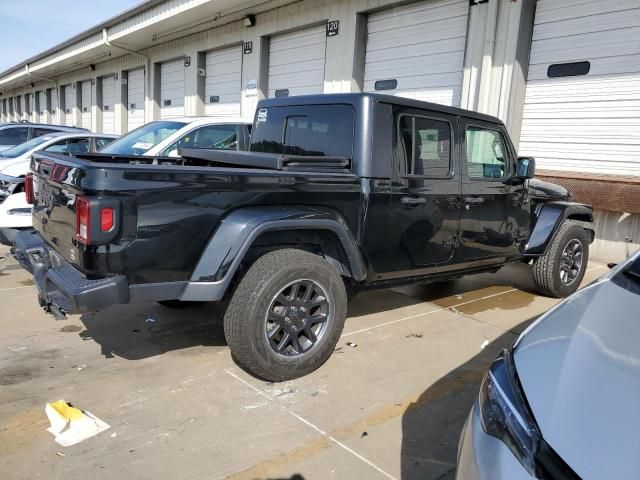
(71, 425)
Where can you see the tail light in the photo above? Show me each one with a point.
(96, 220)
(28, 189)
(83, 220)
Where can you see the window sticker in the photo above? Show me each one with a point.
(262, 115)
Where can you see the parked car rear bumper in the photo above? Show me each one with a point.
(60, 284)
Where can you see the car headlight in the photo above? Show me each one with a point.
(504, 413)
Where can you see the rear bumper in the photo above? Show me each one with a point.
(60, 284)
(8, 235)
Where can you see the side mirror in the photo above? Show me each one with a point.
(525, 168)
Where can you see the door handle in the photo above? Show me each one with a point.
(412, 201)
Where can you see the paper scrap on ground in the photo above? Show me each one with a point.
(70, 425)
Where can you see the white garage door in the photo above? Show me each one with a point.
(172, 88)
(296, 62)
(223, 82)
(135, 99)
(86, 102)
(108, 105)
(417, 51)
(586, 117)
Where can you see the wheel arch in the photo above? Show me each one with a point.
(548, 220)
(245, 231)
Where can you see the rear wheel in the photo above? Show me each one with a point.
(559, 272)
(286, 315)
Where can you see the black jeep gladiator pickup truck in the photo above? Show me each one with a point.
(337, 193)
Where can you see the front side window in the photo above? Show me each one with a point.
(214, 137)
(317, 130)
(144, 138)
(486, 154)
(14, 136)
(426, 146)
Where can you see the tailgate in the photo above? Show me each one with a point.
(54, 213)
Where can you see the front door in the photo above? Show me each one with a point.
(425, 190)
(488, 219)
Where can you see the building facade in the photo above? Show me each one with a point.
(563, 75)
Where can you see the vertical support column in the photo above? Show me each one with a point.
(191, 83)
(152, 112)
(76, 112)
(255, 71)
(496, 60)
(121, 102)
(201, 77)
(97, 104)
(344, 64)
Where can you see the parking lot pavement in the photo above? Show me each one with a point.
(390, 403)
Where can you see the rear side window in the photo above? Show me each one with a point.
(426, 145)
(14, 136)
(43, 131)
(103, 142)
(318, 130)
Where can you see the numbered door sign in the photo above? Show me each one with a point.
(332, 28)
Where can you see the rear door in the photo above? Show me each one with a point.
(488, 219)
(426, 189)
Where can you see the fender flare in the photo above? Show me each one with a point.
(549, 219)
(237, 232)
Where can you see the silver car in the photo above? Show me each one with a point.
(564, 402)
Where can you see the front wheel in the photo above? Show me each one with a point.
(286, 315)
(559, 272)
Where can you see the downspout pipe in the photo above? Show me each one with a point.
(147, 73)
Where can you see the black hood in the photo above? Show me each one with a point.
(547, 191)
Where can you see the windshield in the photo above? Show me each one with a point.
(25, 147)
(142, 139)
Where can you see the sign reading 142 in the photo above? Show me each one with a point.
(332, 28)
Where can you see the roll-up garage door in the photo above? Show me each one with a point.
(135, 99)
(69, 104)
(296, 62)
(108, 104)
(172, 88)
(27, 106)
(417, 51)
(223, 82)
(86, 101)
(582, 104)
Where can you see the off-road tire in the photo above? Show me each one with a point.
(179, 304)
(546, 269)
(244, 319)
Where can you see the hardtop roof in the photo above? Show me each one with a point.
(356, 99)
